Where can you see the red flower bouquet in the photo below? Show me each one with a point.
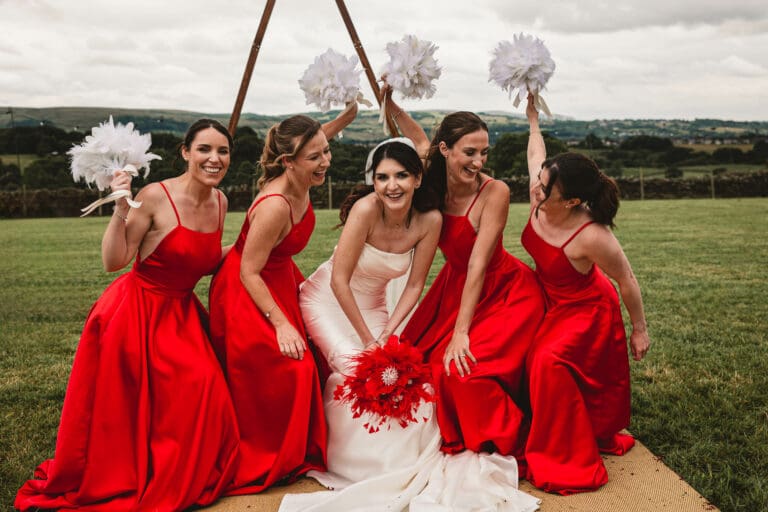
(388, 383)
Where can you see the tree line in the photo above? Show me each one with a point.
(507, 157)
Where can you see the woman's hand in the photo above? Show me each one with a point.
(639, 343)
(121, 180)
(289, 340)
(530, 110)
(458, 352)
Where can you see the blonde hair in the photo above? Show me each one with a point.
(282, 143)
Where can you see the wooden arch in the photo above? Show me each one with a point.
(256, 46)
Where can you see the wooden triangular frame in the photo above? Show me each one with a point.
(256, 46)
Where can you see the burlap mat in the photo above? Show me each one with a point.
(638, 482)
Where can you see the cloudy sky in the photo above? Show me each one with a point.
(615, 59)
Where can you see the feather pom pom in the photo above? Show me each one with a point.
(110, 148)
(412, 68)
(522, 66)
(331, 80)
(389, 383)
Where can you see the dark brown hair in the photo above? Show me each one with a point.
(579, 177)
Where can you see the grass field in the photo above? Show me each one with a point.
(700, 398)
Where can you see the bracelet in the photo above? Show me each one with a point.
(268, 313)
(124, 217)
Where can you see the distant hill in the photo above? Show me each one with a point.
(366, 129)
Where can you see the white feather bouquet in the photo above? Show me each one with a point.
(332, 79)
(522, 66)
(111, 148)
(412, 67)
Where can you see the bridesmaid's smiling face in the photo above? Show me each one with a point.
(467, 157)
(312, 162)
(394, 184)
(208, 156)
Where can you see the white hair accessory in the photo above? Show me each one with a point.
(369, 160)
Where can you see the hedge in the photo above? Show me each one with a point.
(66, 202)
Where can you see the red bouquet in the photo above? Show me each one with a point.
(388, 383)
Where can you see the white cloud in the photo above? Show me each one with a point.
(627, 58)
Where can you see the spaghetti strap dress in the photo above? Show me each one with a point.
(147, 422)
(578, 372)
(278, 400)
(482, 411)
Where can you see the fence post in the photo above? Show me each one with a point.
(712, 183)
(642, 185)
(330, 194)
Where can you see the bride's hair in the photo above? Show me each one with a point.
(424, 198)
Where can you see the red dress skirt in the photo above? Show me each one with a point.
(278, 400)
(482, 411)
(147, 422)
(578, 374)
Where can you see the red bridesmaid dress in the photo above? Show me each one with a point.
(278, 400)
(480, 411)
(578, 372)
(147, 422)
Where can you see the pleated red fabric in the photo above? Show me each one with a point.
(482, 411)
(578, 373)
(278, 400)
(147, 422)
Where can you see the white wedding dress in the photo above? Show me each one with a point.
(395, 468)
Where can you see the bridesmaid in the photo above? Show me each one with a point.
(481, 313)
(147, 422)
(578, 366)
(256, 325)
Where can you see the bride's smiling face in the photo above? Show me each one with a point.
(394, 184)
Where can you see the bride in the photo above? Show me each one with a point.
(390, 229)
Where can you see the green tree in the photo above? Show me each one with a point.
(50, 173)
(508, 157)
(647, 142)
(592, 141)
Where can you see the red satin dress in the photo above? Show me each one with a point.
(578, 372)
(278, 400)
(480, 411)
(147, 422)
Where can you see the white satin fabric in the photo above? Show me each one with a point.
(395, 468)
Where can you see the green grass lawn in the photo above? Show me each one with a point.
(700, 398)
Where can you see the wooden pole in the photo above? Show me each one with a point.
(249, 66)
(364, 61)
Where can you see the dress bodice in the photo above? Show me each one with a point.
(181, 258)
(560, 280)
(293, 243)
(375, 268)
(458, 236)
